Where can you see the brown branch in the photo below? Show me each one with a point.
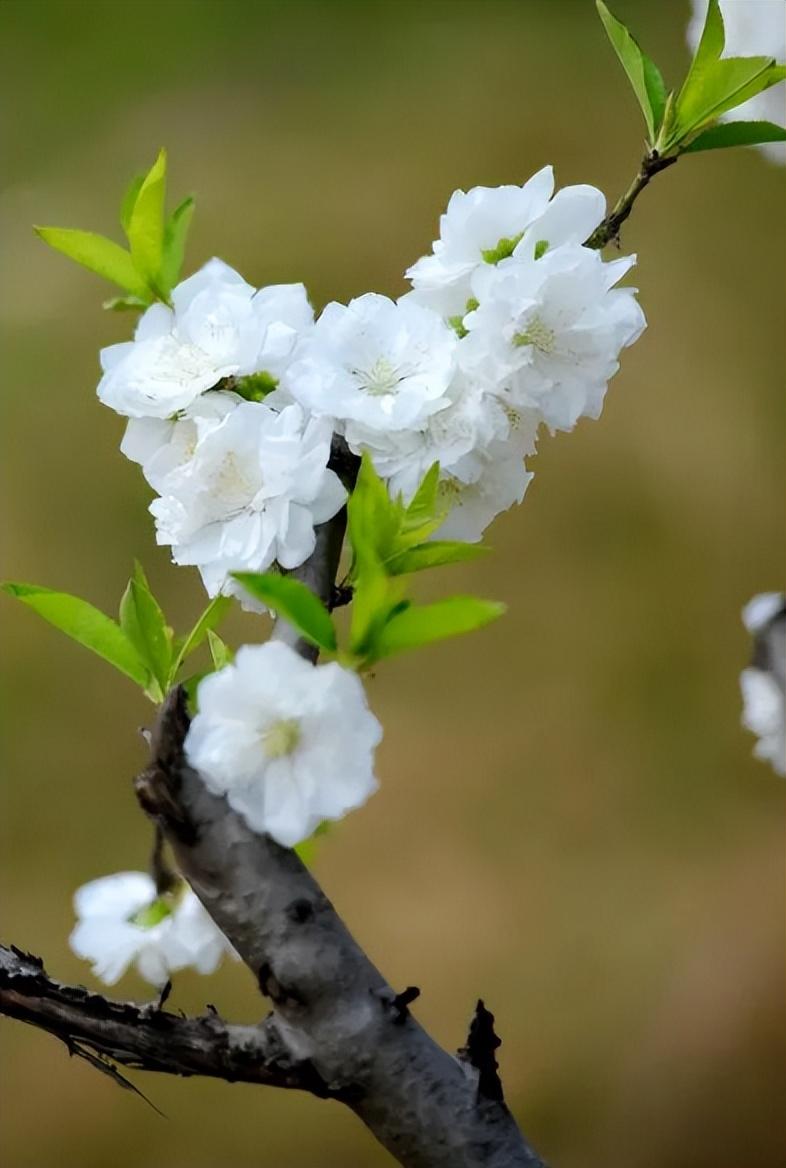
(147, 1038)
(609, 230)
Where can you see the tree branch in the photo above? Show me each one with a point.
(145, 1037)
(608, 231)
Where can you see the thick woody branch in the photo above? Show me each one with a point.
(110, 1033)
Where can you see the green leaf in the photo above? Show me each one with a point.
(143, 622)
(293, 601)
(425, 513)
(129, 200)
(722, 87)
(125, 304)
(643, 74)
(422, 624)
(219, 651)
(175, 234)
(84, 624)
(433, 555)
(374, 517)
(727, 134)
(209, 620)
(99, 255)
(146, 224)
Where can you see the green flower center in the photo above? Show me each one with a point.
(152, 914)
(281, 738)
(537, 334)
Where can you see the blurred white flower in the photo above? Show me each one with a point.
(383, 364)
(121, 921)
(218, 327)
(250, 494)
(762, 683)
(489, 224)
(290, 744)
(754, 28)
(547, 332)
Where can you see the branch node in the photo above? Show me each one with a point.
(482, 1042)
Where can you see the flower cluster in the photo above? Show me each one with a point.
(122, 921)
(233, 394)
(762, 682)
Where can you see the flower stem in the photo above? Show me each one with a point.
(608, 231)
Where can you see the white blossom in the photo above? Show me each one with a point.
(500, 480)
(547, 332)
(121, 921)
(161, 445)
(290, 744)
(762, 683)
(488, 224)
(250, 494)
(754, 28)
(383, 364)
(218, 327)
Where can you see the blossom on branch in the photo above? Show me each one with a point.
(250, 495)
(122, 921)
(290, 744)
(219, 327)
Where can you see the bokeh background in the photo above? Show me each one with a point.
(570, 822)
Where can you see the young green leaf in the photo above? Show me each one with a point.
(86, 625)
(727, 134)
(293, 601)
(129, 199)
(143, 622)
(210, 619)
(643, 74)
(433, 555)
(99, 255)
(726, 85)
(421, 624)
(374, 517)
(175, 233)
(125, 304)
(146, 224)
(220, 652)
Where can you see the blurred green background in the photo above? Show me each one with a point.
(570, 822)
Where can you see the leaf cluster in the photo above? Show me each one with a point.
(686, 121)
(148, 269)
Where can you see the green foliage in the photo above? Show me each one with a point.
(389, 540)
(141, 645)
(293, 601)
(714, 86)
(727, 134)
(220, 652)
(86, 625)
(643, 74)
(150, 268)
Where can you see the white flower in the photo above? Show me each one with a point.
(121, 921)
(488, 224)
(290, 744)
(459, 438)
(547, 332)
(753, 28)
(218, 327)
(500, 480)
(763, 714)
(761, 609)
(161, 446)
(250, 494)
(383, 364)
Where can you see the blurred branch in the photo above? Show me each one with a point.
(429, 1108)
(608, 231)
(107, 1032)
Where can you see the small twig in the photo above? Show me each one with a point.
(608, 231)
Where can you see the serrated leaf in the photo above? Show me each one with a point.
(422, 624)
(99, 255)
(86, 625)
(727, 134)
(295, 602)
(433, 555)
(643, 73)
(146, 223)
(129, 200)
(143, 622)
(175, 234)
(220, 652)
(209, 620)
